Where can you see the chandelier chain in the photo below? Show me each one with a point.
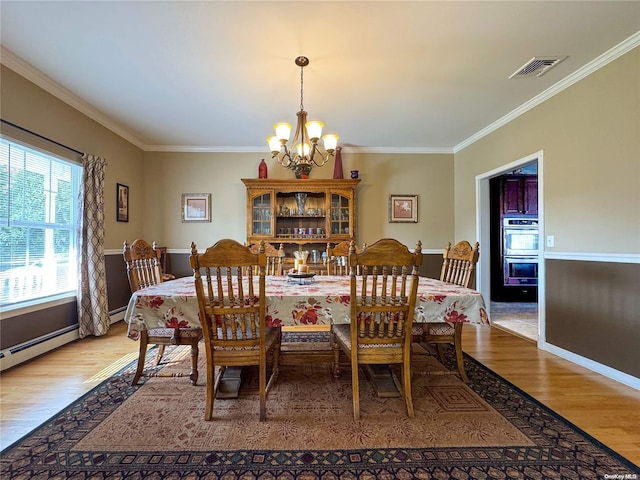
(301, 87)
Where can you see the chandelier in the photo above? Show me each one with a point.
(303, 152)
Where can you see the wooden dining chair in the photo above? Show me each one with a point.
(338, 264)
(275, 257)
(143, 270)
(166, 276)
(383, 299)
(231, 302)
(338, 257)
(458, 267)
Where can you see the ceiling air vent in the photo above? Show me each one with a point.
(537, 66)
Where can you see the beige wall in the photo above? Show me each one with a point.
(28, 106)
(590, 136)
(168, 175)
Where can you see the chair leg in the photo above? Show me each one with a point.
(159, 354)
(275, 368)
(440, 348)
(193, 375)
(406, 385)
(144, 341)
(212, 388)
(276, 355)
(263, 388)
(336, 356)
(355, 387)
(457, 344)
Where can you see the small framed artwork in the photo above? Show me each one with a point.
(403, 208)
(122, 203)
(196, 207)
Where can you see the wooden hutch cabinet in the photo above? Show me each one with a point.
(302, 214)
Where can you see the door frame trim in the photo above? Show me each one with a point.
(483, 233)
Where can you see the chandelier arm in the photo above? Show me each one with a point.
(300, 129)
(283, 156)
(316, 152)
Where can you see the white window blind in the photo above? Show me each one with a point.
(38, 224)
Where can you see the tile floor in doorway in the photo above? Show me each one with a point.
(515, 317)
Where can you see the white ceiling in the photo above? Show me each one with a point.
(395, 76)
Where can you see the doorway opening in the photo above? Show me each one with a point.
(511, 268)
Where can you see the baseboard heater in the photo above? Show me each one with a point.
(12, 356)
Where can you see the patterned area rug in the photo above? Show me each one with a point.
(488, 429)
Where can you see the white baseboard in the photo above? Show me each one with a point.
(604, 370)
(18, 354)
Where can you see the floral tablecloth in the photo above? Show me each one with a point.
(321, 300)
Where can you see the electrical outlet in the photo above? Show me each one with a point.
(550, 240)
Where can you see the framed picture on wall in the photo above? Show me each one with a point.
(122, 203)
(196, 207)
(403, 208)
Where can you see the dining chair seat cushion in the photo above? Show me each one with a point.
(439, 328)
(343, 332)
(194, 332)
(271, 338)
(433, 328)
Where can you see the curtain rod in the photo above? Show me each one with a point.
(42, 137)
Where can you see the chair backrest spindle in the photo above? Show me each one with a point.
(143, 264)
(459, 263)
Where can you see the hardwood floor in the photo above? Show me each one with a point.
(519, 318)
(609, 411)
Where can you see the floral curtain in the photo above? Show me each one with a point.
(93, 311)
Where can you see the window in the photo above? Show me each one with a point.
(39, 224)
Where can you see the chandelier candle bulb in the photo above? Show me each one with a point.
(315, 129)
(330, 142)
(283, 131)
(303, 150)
(274, 144)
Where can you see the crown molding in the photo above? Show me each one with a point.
(627, 45)
(345, 149)
(205, 149)
(15, 63)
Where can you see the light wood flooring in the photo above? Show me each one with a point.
(33, 392)
(516, 317)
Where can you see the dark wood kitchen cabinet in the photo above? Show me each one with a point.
(520, 195)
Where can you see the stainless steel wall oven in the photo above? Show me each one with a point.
(520, 251)
(520, 270)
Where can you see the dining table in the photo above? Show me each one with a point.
(300, 301)
(317, 300)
